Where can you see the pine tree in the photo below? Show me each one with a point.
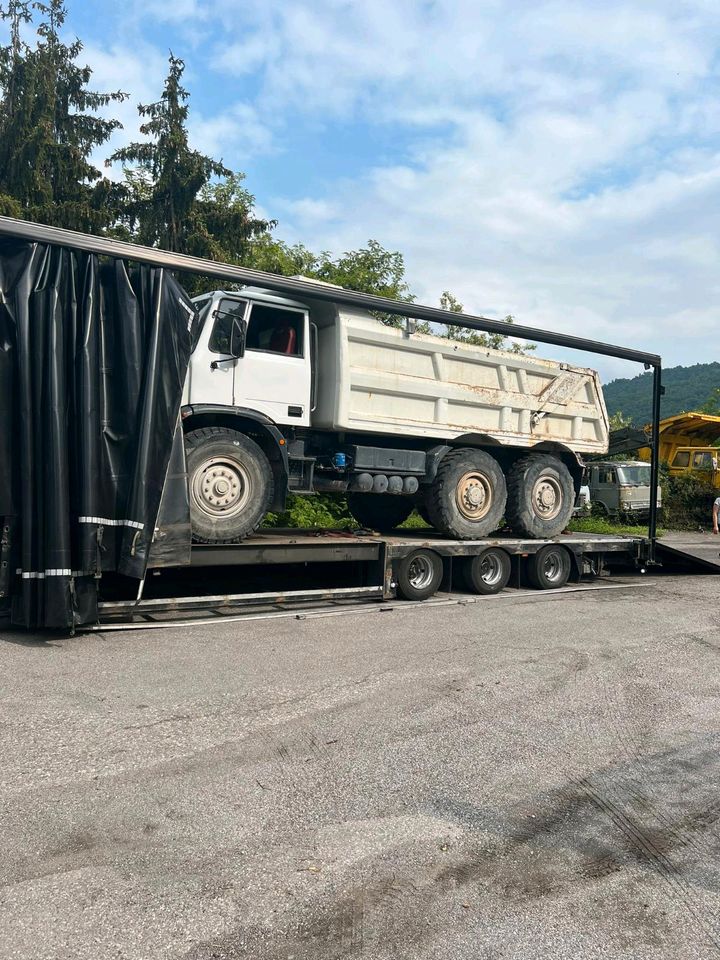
(48, 130)
(178, 198)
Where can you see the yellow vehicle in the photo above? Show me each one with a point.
(686, 445)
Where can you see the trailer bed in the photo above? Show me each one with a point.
(307, 546)
(300, 569)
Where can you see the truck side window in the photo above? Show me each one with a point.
(703, 461)
(227, 312)
(275, 330)
(682, 459)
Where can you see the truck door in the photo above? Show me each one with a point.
(606, 489)
(273, 376)
(212, 368)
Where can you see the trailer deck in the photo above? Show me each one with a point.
(347, 567)
(308, 546)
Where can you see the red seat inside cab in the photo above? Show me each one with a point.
(284, 340)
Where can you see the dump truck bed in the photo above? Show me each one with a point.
(375, 378)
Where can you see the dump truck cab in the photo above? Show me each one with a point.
(686, 445)
(253, 352)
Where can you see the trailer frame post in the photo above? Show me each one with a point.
(654, 460)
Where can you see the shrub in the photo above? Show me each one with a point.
(688, 501)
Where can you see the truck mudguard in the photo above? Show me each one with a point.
(92, 363)
(267, 434)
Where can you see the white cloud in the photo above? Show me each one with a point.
(238, 131)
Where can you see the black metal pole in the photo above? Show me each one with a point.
(304, 289)
(654, 458)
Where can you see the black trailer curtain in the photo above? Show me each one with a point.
(92, 363)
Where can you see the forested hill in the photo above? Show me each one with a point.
(686, 389)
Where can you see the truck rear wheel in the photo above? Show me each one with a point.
(379, 511)
(230, 484)
(467, 497)
(541, 496)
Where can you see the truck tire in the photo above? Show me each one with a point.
(419, 574)
(379, 511)
(488, 572)
(541, 496)
(549, 568)
(467, 497)
(230, 484)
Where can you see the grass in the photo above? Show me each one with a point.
(608, 527)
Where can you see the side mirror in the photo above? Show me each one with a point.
(237, 338)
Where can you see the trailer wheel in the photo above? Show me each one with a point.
(467, 497)
(379, 511)
(230, 484)
(541, 496)
(488, 572)
(549, 568)
(419, 575)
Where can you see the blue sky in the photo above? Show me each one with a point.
(558, 159)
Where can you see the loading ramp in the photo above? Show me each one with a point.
(696, 550)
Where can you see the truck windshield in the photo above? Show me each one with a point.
(634, 476)
(202, 305)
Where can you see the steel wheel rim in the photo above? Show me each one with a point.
(474, 495)
(221, 487)
(491, 570)
(547, 497)
(420, 573)
(553, 567)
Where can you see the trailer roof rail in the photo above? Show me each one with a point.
(104, 246)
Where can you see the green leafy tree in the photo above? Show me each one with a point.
(618, 421)
(371, 269)
(274, 256)
(48, 128)
(494, 341)
(178, 198)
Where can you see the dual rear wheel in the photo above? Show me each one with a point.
(470, 496)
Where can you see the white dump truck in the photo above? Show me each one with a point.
(309, 397)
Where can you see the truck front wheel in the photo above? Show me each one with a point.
(230, 484)
(379, 511)
(541, 496)
(467, 497)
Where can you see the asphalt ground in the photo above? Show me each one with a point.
(533, 775)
